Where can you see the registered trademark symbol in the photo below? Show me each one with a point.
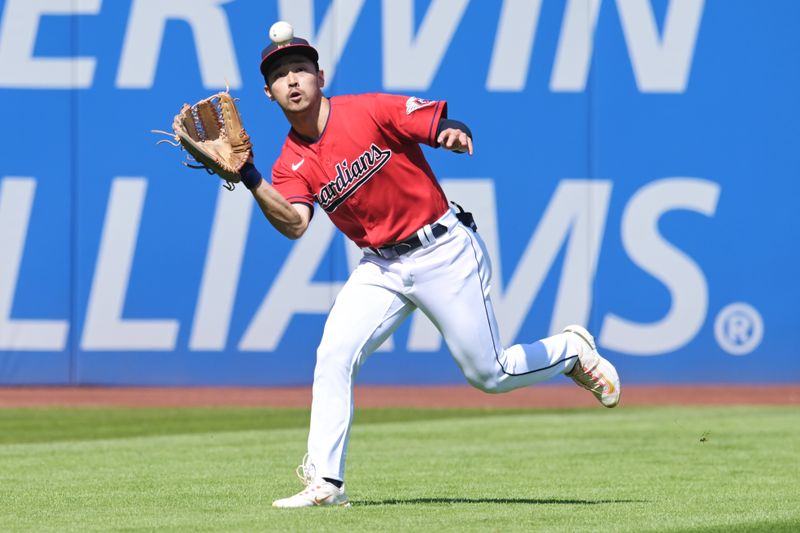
(739, 328)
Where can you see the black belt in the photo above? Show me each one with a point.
(412, 243)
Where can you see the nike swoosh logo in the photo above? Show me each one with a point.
(320, 501)
(609, 384)
(295, 166)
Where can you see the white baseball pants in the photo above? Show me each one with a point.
(448, 279)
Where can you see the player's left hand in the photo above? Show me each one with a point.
(455, 141)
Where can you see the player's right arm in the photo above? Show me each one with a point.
(291, 219)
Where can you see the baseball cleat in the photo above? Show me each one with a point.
(591, 371)
(316, 494)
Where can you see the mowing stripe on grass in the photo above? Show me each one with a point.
(642, 469)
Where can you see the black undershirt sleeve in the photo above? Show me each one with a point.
(446, 123)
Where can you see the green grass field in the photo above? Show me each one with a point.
(628, 469)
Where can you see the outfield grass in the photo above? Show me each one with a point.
(628, 469)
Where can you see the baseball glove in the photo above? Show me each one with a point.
(212, 132)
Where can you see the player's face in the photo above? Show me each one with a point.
(295, 84)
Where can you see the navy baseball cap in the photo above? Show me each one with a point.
(275, 51)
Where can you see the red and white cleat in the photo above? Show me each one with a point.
(591, 370)
(316, 494)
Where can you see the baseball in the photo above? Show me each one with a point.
(281, 32)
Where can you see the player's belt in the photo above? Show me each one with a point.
(391, 251)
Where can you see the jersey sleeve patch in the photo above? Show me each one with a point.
(414, 103)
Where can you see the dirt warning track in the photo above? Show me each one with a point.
(552, 396)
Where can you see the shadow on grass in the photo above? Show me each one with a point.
(527, 501)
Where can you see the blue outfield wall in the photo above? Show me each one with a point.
(637, 169)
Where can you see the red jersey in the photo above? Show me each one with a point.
(367, 170)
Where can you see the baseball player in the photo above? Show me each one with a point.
(359, 159)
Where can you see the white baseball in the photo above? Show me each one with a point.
(281, 32)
